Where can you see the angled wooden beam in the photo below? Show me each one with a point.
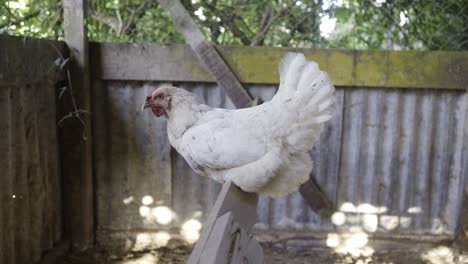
(207, 53)
(229, 243)
(209, 56)
(242, 207)
(75, 132)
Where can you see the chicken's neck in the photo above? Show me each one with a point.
(183, 116)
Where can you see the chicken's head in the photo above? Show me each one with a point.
(159, 101)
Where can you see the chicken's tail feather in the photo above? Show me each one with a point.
(308, 94)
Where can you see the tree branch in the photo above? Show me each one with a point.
(110, 21)
(138, 13)
(229, 21)
(265, 25)
(18, 21)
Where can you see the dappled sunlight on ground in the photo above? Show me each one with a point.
(145, 241)
(349, 243)
(371, 218)
(191, 230)
(353, 243)
(354, 223)
(155, 215)
(145, 259)
(444, 255)
(162, 214)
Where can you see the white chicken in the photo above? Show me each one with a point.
(262, 149)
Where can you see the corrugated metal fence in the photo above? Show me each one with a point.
(392, 160)
(31, 202)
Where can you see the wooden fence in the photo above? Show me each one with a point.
(30, 179)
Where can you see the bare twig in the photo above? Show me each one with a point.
(120, 23)
(110, 21)
(230, 22)
(267, 22)
(76, 112)
(137, 14)
(265, 25)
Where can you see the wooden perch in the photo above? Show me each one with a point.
(207, 53)
(227, 230)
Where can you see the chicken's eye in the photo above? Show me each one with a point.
(160, 96)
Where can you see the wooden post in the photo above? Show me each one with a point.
(75, 132)
(207, 54)
(315, 197)
(234, 212)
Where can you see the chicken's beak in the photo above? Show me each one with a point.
(146, 104)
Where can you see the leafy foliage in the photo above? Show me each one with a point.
(31, 18)
(350, 24)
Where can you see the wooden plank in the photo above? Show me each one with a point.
(219, 244)
(56, 254)
(246, 249)
(207, 53)
(36, 192)
(259, 65)
(231, 199)
(229, 243)
(75, 134)
(20, 160)
(28, 60)
(6, 181)
(316, 198)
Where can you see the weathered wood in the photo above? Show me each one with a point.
(27, 60)
(75, 134)
(207, 53)
(56, 254)
(245, 248)
(316, 198)
(231, 199)
(230, 244)
(382, 69)
(217, 247)
(30, 194)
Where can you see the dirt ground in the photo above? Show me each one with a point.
(178, 254)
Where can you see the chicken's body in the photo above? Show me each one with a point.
(262, 149)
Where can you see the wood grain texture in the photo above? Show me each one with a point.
(218, 245)
(28, 60)
(207, 53)
(230, 244)
(75, 134)
(259, 65)
(231, 199)
(30, 204)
